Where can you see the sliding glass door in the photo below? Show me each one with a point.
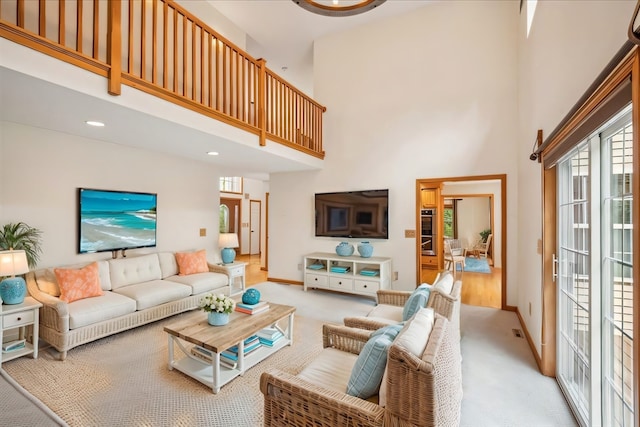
(595, 282)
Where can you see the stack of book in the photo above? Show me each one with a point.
(207, 356)
(252, 308)
(269, 336)
(251, 344)
(370, 272)
(340, 269)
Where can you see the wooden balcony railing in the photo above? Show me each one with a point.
(158, 47)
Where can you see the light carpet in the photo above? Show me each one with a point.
(475, 265)
(123, 379)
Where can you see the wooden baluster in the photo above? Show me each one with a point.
(61, 23)
(130, 41)
(143, 30)
(96, 33)
(262, 101)
(42, 18)
(79, 26)
(154, 44)
(165, 46)
(184, 55)
(114, 47)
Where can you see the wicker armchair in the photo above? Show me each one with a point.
(391, 302)
(421, 391)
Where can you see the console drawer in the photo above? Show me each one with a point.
(314, 280)
(366, 286)
(17, 319)
(341, 283)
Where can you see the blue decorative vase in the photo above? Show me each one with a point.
(251, 296)
(218, 319)
(13, 290)
(365, 249)
(344, 249)
(228, 255)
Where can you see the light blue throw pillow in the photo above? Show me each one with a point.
(368, 370)
(391, 330)
(416, 301)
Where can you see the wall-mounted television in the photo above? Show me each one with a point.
(357, 214)
(115, 220)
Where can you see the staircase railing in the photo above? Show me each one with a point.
(160, 48)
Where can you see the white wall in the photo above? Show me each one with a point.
(409, 98)
(569, 44)
(40, 172)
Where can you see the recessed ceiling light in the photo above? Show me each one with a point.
(94, 123)
(212, 153)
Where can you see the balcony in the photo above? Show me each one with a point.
(159, 48)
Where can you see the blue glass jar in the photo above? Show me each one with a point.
(365, 249)
(344, 249)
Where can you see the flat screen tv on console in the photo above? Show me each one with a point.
(357, 214)
(115, 220)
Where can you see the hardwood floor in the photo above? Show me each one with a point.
(253, 272)
(478, 289)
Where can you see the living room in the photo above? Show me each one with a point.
(469, 102)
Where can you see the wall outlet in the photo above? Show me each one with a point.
(395, 275)
(300, 267)
(539, 247)
(409, 233)
(203, 232)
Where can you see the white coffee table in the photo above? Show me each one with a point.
(193, 328)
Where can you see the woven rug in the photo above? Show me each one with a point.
(18, 408)
(475, 265)
(123, 380)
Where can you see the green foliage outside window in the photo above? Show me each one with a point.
(448, 223)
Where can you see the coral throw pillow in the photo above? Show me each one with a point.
(192, 262)
(77, 284)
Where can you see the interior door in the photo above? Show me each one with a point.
(254, 225)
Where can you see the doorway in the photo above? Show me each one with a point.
(471, 207)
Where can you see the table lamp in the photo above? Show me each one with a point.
(13, 289)
(227, 242)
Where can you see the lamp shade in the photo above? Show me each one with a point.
(13, 262)
(228, 240)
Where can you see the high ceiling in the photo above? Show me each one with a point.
(279, 31)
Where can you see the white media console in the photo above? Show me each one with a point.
(350, 274)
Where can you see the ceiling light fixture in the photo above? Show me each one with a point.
(212, 153)
(338, 7)
(95, 123)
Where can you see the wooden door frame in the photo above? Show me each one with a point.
(503, 231)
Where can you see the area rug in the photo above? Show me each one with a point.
(19, 408)
(475, 265)
(123, 380)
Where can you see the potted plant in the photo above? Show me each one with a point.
(20, 236)
(218, 308)
(484, 234)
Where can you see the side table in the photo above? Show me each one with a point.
(235, 270)
(20, 316)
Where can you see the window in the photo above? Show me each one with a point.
(231, 184)
(449, 215)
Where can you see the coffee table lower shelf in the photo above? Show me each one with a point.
(204, 372)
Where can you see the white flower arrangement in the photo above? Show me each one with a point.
(217, 303)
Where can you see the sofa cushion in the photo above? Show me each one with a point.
(415, 334)
(202, 282)
(47, 282)
(168, 264)
(93, 310)
(76, 284)
(386, 311)
(129, 271)
(418, 299)
(444, 283)
(366, 376)
(192, 262)
(153, 293)
(330, 370)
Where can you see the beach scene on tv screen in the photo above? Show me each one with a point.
(111, 220)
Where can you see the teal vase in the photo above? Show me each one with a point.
(365, 249)
(218, 319)
(344, 249)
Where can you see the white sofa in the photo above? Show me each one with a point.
(136, 291)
